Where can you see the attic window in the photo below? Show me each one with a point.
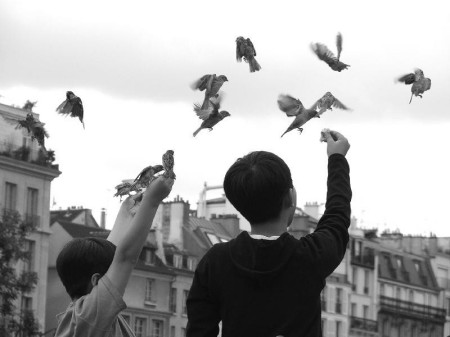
(223, 240)
(177, 260)
(212, 238)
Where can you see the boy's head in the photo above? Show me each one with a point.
(82, 262)
(259, 185)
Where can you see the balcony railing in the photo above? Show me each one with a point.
(33, 219)
(364, 260)
(363, 324)
(412, 309)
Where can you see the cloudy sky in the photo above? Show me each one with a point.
(132, 66)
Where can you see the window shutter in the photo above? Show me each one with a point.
(331, 300)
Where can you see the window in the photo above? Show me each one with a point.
(149, 257)
(149, 290)
(157, 328)
(323, 299)
(140, 327)
(353, 310)
(354, 279)
(173, 300)
(411, 295)
(172, 331)
(183, 332)
(338, 328)
(223, 240)
(10, 196)
(127, 319)
(324, 326)
(399, 262)
(338, 301)
(185, 296)
(27, 303)
(365, 311)
(382, 289)
(191, 263)
(366, 282)
(28, 265)
(447, 302)
(32, 201)
(177, 260)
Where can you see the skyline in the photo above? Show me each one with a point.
(132, 68)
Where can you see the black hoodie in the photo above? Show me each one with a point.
(266, 288)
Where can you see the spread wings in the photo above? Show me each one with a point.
(290, 105)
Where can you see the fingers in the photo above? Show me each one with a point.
(337, 136)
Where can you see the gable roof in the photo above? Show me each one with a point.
(69, 215)
(81, 231)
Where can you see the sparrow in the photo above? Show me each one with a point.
(210, 116)
(146, 176)
(293, 107)
(328, 57)
(35, 128)
(211, 84)
(328, 102)
(29, 105)
(123, 189)
(246, 50)
(167, 163)
(72, 106)
(419, 82)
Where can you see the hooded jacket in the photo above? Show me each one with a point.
(267, 288)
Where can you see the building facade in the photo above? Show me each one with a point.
(25, 182)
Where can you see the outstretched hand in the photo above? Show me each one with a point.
(158, 190)
(336, 142)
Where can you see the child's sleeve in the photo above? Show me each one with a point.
(98, 310)
(329, 241)
(202, 309)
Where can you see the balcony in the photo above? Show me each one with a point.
(366, 325)
(29, 155)
(410, 309)
(364, 260)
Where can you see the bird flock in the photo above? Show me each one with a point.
(209, 110)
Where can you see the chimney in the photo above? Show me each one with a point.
(179, 215)
(230, 222)
(103, 218)
(314, 209)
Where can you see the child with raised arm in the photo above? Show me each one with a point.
(95, 271)
(266, 283)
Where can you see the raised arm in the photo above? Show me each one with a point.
(130, 244)
(330, 239)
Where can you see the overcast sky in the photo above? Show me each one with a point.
(132, 66)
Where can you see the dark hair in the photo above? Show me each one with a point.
(80, 259)
(256, 185)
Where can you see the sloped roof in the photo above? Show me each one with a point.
(209, 226)
(82, 231)
(71, 214)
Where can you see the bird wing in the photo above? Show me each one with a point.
(142, 173)
(408, 78)
(339, 45)
(77, 109)
(201, 83)
(338, 104)
(290, 105)
(239, 50)
(202, 113)
(427, 84)
(317, 105)
(250, 45)
(323, 53)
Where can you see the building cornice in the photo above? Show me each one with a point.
(27, 168)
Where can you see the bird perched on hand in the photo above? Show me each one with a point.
(123, 189)
(328, 57)
(419, 82)
(168, 163)
(328, 102)
(293, 107)
(246, 50)
(146, 176)
(72, 106)
(35, 128)
(211, 84)
(210, 116)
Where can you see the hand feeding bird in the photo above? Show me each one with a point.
(324, 54)
(72, 106)
(146, 176)
(245, 50)
(35, 128)
(211, 84)
(168, 163)
(419, 82)
(294, 107)
(210, 116)
(123, 189)
(328, 102)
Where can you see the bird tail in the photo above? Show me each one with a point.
(254, 65)
(285, 132)
(339, 45)
(411, 98)
(197, 131)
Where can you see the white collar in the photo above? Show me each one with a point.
(263, 237)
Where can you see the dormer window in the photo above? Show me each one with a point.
(177, 261)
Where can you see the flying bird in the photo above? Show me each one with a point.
(328, 102)
(419, 82)
(35, 128)
(245, 50)
(211, 84)
(168, 163)
(294, 107)
(324, 54)
(210, 116)
(72, 106)
(146, 176)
